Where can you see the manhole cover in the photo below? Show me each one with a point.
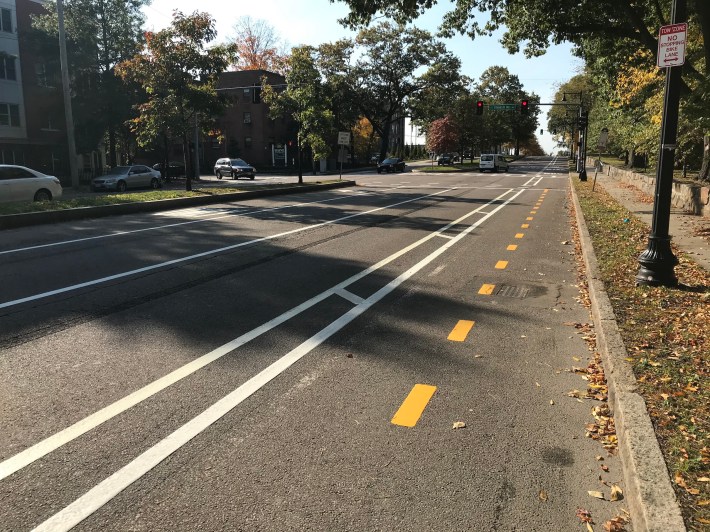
(518, 292)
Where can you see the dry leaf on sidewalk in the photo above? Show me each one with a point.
(597, 494)
(459, 425)
(616, 493)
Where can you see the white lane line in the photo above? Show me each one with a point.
(51, 443)
(449, 236)
(237, 212)
(203, 254)
(349, 296)
(106, 490)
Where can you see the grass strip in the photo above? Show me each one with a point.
(667, 336)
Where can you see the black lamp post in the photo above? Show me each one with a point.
(658, 261)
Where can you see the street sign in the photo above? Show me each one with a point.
(603, 139)
(671, 45)
(503, 107)
(343, 138)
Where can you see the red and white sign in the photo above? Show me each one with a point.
(671, 45)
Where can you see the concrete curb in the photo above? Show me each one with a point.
(11, 221)
(649, 493)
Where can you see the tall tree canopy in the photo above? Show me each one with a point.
(100, 34)
(258, 46)
(178, 72)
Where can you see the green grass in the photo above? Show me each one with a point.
(667, 337)
(99, 200)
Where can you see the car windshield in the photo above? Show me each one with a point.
(238, 162)
(389, 161)
(118, 170)
(486, 157)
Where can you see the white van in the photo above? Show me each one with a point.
(493, 162)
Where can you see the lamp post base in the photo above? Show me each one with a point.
(583, 175)
(657, 264)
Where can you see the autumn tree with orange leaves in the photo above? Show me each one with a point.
(258, 46)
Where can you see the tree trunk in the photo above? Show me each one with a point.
(705, 170)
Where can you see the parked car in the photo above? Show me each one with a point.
(391, 164)
(235, 168)
(175, 169)
(19, 183)
(493, 162)
(122, 178)
(445, 159)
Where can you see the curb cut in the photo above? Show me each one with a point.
(649, 493)
(12, 221)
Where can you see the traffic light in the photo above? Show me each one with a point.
(479, 107)
(524, 107)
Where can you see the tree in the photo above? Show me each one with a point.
(100, 34)
(179, 75)
(258, 47)
(385, 68)
(306, 101)
(442, 136)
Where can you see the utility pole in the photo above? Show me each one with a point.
(68, 115)
(658, 261)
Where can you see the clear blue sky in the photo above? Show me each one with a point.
(316, 21)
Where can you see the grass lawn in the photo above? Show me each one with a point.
(667, 336)
(98, 200)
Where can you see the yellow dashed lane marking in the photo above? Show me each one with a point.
(520, 235)
(529, 218)
(512, 247)
(487, 289)
(501, 265)
(524, 226)
(533, 212)
(413, 406)
(460, 332)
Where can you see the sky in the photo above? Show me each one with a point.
(316, 21)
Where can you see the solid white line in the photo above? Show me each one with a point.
(207, 218)
(448, 236)
(51, 443)
(203, 254)
(106, 490)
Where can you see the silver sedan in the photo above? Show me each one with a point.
(122, 178)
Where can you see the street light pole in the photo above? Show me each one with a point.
(658, 261)
(68, 115)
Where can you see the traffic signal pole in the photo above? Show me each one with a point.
(658, 261)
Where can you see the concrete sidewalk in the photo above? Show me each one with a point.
(683, 227)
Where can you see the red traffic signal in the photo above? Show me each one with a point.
(479, 107)
(524, 107)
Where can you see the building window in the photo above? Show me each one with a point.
(7, 68)
(247, 117)
(256, 95)
(9, 115)
(43, 76)
(247, 95)
(6, 20)
(247, 142)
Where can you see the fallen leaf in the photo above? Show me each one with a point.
(459, 425)
(584, 515)
(704, 479)
(589, 528)
(552, 402)
(616, 493)
(576, 359)
(350, 355)
(705, 502)
(478, 356)
(597, 494)
(537, 384)
(599, 458)
(605, 468)
(543, 495)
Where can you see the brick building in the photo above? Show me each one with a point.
(32, 126)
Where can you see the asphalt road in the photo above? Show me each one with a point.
(298, 362)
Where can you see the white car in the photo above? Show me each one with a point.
(493, 162)
(19, 183)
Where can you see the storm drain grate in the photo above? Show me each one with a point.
(518, 292)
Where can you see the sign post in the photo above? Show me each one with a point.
(343, 140)
(658, 261)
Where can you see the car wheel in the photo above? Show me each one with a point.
(379, 171)
(219, 174)
(43, 195)
(252, 177)
(234, 176)
(121, 186)
(155, 183)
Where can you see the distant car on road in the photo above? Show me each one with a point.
(175, 169)
(493, 162)
(235, 168)
(445, 159)
(19, 183)
(122, 178)
(391, 164)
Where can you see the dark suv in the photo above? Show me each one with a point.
(235, 168)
